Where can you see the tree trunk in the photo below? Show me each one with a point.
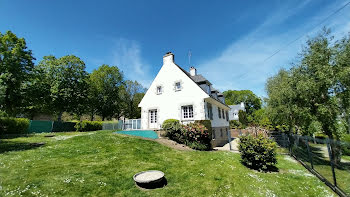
(348, 123)
(335, 150)
(59, 118)
(92, 115)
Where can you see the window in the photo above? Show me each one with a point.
(159, 89)
(219, 112)
(213, 133)
(227, 118)
(187, 112)
(220, 132)
(210, 111)
(223, 113)
(177, 86)
(208, 90)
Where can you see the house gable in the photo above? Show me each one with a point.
(167, 77)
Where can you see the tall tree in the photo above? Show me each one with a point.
(105, 83)
(16, 65)
(343, 76)
(251, 101)
(68, 83)
(311, 93)
(132, 95)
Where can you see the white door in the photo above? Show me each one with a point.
(152, 119)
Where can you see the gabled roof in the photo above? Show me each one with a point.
(199, 79)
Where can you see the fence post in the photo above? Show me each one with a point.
(331, 160)
(229, 138)
(309, 153)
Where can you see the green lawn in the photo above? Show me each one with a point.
(102, 164)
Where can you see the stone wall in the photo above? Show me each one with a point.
(219, 136)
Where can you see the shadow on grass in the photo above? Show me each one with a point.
(7, 146)
(318, 156)
(269, 168)
(12, 136)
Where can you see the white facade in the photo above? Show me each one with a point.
(174, 94)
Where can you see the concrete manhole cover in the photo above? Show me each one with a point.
(150, 179)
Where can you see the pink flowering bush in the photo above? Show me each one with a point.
(196, 136)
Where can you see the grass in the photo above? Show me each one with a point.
(102, 164)
(322, 164)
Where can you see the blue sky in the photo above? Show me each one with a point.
(229, 40)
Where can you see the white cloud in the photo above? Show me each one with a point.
(127, 56)
(241, 65)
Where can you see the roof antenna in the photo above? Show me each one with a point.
(189, 57)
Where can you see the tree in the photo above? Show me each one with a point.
(16, 65)
(105, 84)
(282, 102)
(39, 89)
(343, 76)
(132, 95)
(310, 95)
(251, 101)
(67, 79)
(242, 118)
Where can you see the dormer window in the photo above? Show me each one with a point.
(159, 89)
(208, 90)
(177, 86)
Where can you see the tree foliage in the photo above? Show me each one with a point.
(313, 93)
(66, 80)
(132, 93)
(251, 101)
(16, 66)
(104, 93)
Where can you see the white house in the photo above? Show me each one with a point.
(186, 96)
(234, 109)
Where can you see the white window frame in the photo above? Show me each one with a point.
(159, 90)
(187, 112)
(178, 88)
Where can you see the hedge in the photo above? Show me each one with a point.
(88, 126)
(13, 125)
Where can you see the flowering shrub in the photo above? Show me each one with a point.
(196, 136)
(257, 152)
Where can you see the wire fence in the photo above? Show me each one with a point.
(328, 159)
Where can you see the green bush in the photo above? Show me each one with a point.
(345, 145)
(172, 128)
(258, 152)
(88, 125)
(243, 118)
(13, 125)
(171, 124)
(235, 124)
